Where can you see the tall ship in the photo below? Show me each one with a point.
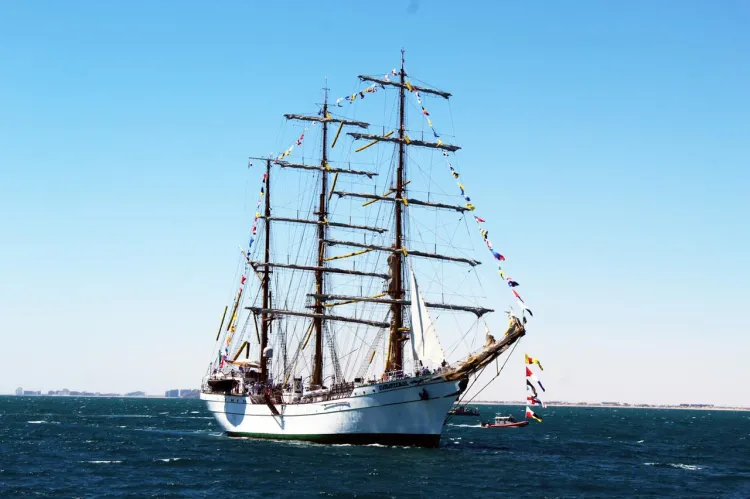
(355, 314)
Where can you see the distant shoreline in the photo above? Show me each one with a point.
(509, 403)
(107, 396)
(591, 405)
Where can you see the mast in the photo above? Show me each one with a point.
(394, 362)
(265, 318)
(317, 374)
(319, 316)
(396, 195)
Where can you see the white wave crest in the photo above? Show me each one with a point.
(691, 467)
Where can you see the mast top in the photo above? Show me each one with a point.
(403, 83)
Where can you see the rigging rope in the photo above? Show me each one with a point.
(490, 381)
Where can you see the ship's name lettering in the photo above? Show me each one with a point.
(391, 386)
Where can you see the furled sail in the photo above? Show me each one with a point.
(424, 340)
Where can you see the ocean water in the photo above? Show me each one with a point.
(88, 447)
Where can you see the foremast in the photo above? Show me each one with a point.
(265, 318)
(265, 276)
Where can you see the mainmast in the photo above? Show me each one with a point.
(317, 374)
(394, 361)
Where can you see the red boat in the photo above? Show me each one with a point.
(504, 422)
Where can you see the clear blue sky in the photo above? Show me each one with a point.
(608, 142)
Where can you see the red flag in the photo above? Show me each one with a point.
(242, 281)
(480, 220)
(528, 371)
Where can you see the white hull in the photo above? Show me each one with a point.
(394, 412)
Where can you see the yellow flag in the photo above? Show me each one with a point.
(408, 85)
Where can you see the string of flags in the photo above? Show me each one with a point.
(532, 396)
(233, 321)
(470, 206)
(369, 90)
(361, 95)
(243, 279)
(350, 98)
(297, 142)
(254, 230)
(425, 113)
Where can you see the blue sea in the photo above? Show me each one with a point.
(96, 447)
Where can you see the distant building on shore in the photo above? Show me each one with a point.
(182, 394)
(76, 393)
(19, 391)
(190, 394)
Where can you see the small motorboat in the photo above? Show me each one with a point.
(462, 410)
(504, 422)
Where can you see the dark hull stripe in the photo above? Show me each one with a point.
(410, 440)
